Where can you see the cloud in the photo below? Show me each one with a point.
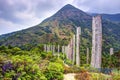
(7, 26)
(40, 8)
(18, 14)
(99, 6)
(26, 13)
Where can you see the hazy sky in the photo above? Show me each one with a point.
(20, 14)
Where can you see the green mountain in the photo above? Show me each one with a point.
(60, 27)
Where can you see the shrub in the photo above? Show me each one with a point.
(100, 76)
(72, 69)
(116, 77)
(54, 71)
(21, 68)
(83, 76)
(115, 74)
(68, 70)
(46, 55)
(69, 62)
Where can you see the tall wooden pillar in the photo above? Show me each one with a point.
(73, 49)
(53, 49)
(87, 56)
(63, 51)
(78, 46)
(48, 48)
(45, 47)
(70, 50)
(111, 51)
(66, 51)
(58, 48)
(96, 42)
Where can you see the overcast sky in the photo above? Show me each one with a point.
(20, 14)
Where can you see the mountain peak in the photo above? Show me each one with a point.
(68, 6)
(69, 12)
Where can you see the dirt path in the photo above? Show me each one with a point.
(69, 76)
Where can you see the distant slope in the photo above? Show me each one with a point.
(110, 17)
(60, 27)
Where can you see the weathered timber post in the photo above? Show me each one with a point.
(48, 48)
(70, 50)
(111, 51)
(73, 49)
(96, 42)
(63, 51)
(78, 46)
(53, 49)
(87, 56)
(66, 51)
(58, 50)
(45, 47)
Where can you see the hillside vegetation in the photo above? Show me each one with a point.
(33, 63)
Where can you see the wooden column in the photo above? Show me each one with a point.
(96, 42)
(48, 48)
(78, 46)
(58, 50)
(63, 51)
(73, 49)
(45, 47)
(111, 51)
(87, 56)
(66, 51)
(53, 49)
(70, 50)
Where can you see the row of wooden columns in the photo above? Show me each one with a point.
(72, 50)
